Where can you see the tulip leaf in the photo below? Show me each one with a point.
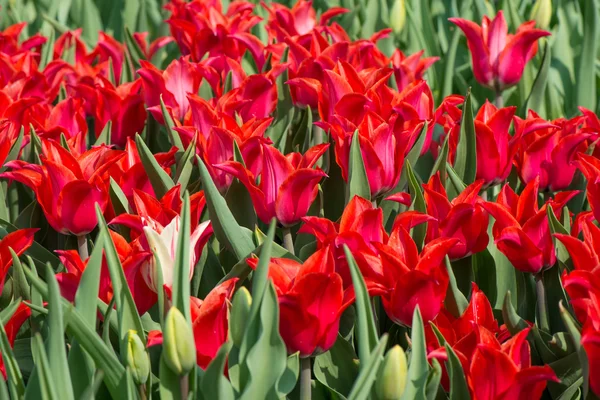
(89, 284)
(160, 180)
(16, 386)
(224, 224)
(466, 150)
(586, 74)
(185, 166)
(181, 272)
(458, 384)
(556, 227)
(126, 310)
(170, 386)
(133, 48)
(576, 337)
(568, 370)
(47, 50)
(449, 60)
(418, 367)
(441, 161)
(118, 199)
(368, 372)
(358, 183)
(56, 349)
(173, 134)
(535, 100)
(455, 302)
(45, 388)
(434, 378)
(416, 193)
(289, 378)
(104, 137)
(15, 149)
(214, 385)
(336, 368)
(411, 159)
(7, 313)
(38, 252)
(20, 286)
(366, 330)
(514, 323)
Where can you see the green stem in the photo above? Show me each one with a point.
(82, 247)
(499, 101)
(288, 241)
(542, 307)
(305, 379)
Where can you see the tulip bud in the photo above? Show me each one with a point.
(542, 13)
(398, 16)
(240, 310)
(137, 358)
(179, 346)
(392, 379)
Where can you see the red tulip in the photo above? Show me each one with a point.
(141, 39)
(288, 184)
(67, 188)
(496, 148)
(584, 254)
(210, 322)
(408, 69)
(448, 116)
(19, 241)
(411, 278)
(590, 340)
(590, 167)
(548, 151)
(521, 231)
(505, 372)
(311, 301)
(12, 327)
(462, 218)
(499, 58)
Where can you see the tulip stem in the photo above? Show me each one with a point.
(82, 247)
(542, 307)
(305, 379)
(288, 241)
(499, 101)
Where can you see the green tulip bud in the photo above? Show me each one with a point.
(542, 13)
(398, 16)
(137, 358)
(391, 382)
(240, 311)
(179, 346)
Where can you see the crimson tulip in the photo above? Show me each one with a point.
(408, 69)
(12, 327)
(288, 184)
(67, 188)
(19, 241)
(548, 151)
(590, 167)
(521, 231)
(499, 58)
(311, 301)
(462, 218)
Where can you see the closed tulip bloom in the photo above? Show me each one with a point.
(498, 57)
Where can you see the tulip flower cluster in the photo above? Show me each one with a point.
(283, 200)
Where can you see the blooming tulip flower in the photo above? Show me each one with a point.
(462, 218)
(499, 58)
(311, 301)
(584, 254)
(590, 167)
(67, 188)
(548, 151)
(12, 327)
(411, 278)
(288, 184)
(19, 241)
(408, 69)
(521, 231)
(496, 148)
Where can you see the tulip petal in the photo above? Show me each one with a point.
(76, 206)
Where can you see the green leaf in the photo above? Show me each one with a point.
(586, 75)
(160, 180)
(173, 134)
(536, 97)
(336, 368)
(126, 310)
(441, 161)
(16, 386)
(20, 285)
(289, 378)
(47, 50)
(514, 323)
(224, 224)
(458, 383)
(358, 183)
(56, 349)
(135, 51)
(456, 302)
(366, 330)
(576, 337)
(368, 372)
(433, 380)
(418, 367)
(185, 166)
(466, 150)
(416, 194)
(15, 149)
(118, 199)
(169, 386)
(38, 252)
(104, 137)
(181, 272)
(214, 385)
(45, 378)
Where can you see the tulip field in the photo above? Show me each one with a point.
(300, 199)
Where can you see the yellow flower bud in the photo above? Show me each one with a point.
(179, 347)
(398, 16)
(240, 310)
(391, 382)
(542, 13)
(137, 358)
